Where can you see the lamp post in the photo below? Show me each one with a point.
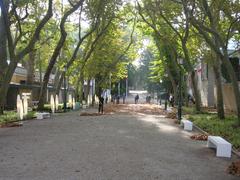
(127, 80)
(180, 63)
(65, 89)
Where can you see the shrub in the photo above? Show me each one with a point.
(11, 116)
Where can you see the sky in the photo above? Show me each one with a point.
(145, 43)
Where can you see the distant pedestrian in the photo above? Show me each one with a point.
(149, 99)
(136, 99)
(100, 106)
(106, 100)
(171, 100)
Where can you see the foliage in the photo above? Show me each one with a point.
(107, 52)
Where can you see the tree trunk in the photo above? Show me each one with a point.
(93, 93)
(196, 92)
(59, 84)
(77, 90)
(220, 104)
(56, 84)
(186, 95)
(190, 69)
(56, 54)
(30, 67)
(81, 86)
(56, 78)
(174, 85)
(93, 100)
(5, 33)
(217, 42)
(5, 82)
(3, 92)
(228, 65)
(216, 65)
(3, 48)
(48, 72)
(3, 63)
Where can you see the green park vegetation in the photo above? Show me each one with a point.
(11, 116)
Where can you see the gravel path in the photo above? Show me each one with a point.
(108, 147)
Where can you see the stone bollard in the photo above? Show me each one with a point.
(52, 103)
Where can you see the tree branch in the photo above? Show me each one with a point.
(36, 34)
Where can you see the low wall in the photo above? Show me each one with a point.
(229, 98)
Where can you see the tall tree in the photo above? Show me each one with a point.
(216, 38)
(56, 52)
(12, 45)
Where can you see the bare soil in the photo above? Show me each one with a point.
(234, 168)
(134, 108)
(199, 137)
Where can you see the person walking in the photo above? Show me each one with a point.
(136, 99)
(100, 106)
(106, 100)
(171, 100)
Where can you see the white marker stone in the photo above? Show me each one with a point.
(89, 100)
(25, 105)
(56, 102)
(19, 108)
(52, 103)
(74, 104)
(96, 99)
(70, 100)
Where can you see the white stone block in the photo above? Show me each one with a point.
(56, 102)
(20, 112)
(52, 103)
(187, 125)
(42, 115)
(223, 148)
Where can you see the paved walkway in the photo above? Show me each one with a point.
(121, 147)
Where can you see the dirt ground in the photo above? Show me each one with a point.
(125, 143)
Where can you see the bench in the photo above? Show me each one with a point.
(43, 115)
(84, 106)
(223, 147)
(35, 103)
(187, 125)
